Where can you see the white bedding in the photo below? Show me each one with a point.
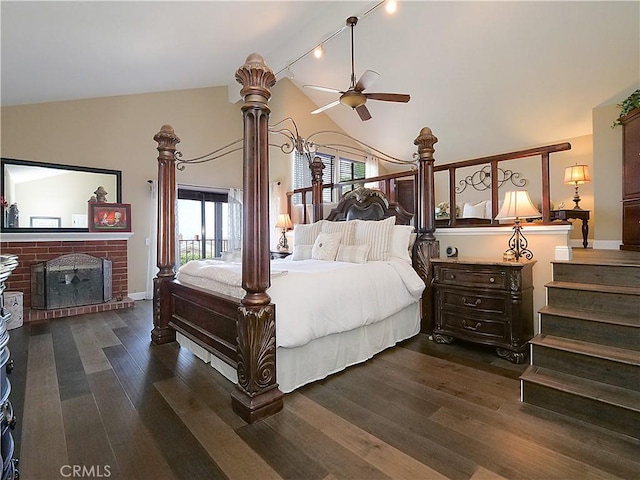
(316, 298)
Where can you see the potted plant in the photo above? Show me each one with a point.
(630, 103)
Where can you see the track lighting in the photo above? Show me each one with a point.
(318, 52)
(391, 6)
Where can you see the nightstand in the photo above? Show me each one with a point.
(277, 254)
(484, 301)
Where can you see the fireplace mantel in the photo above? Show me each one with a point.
(63, 236)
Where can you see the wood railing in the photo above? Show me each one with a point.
(389, 183)
(493, 161)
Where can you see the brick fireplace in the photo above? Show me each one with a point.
(33, 251)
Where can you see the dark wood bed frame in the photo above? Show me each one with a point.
(242, 332)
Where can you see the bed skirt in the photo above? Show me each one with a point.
(324, 356)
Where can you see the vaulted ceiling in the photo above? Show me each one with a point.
(487, 77)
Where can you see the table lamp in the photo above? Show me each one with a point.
(517, 204)
(284, 222)
(576, 175)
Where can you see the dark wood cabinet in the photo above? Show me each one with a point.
(631, 181)
(484, 301)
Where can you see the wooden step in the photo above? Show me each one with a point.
(610, 257)
(623, 301)
(611, 407)
(601, 363)
(600, 273)
(593, 327)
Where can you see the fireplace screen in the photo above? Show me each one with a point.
(70, 281)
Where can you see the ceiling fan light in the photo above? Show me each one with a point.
(352, 100)
(318, 52)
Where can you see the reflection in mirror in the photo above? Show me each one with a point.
(54, 197)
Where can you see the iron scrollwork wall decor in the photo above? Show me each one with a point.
(480, 180)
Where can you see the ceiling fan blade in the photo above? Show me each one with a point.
(323, 89)
(326, 107)
(366, 80)
(363, 112)
(389, 97)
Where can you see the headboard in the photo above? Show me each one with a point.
(368, 204)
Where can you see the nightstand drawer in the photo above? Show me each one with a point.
(453, 275)
(454, 323)
(473, 301)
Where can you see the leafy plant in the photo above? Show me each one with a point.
(631, 102)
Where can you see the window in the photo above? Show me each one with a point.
(351, 170)
(347, 170)
(202, 224)
(302, 176)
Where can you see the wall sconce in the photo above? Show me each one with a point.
(517, 204)
(284, 222)
(576, 175)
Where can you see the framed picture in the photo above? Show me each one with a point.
(44, 222)
(109, 217)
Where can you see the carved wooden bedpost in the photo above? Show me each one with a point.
(167, 141)
(316, 167)
(256, 395)
(426, 245)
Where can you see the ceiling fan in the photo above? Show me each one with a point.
(354, 96)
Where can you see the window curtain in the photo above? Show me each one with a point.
(152, 254)
(371, 170)
(275, 202)
(235, 219)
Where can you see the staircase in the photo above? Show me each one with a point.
(586, 361)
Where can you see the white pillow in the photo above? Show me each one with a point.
(346, 228)
(353, 253)
(377, 234)
(474, 211)
(302, 252)
(401, 241)
(326, 246)
(306, 233)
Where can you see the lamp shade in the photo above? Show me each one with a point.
(576, 175)
(517, 204)
(284, 221)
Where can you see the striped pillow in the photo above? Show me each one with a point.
(306, 233)
(353, 253)
(376, 234)
(302, 252)
(346, 228)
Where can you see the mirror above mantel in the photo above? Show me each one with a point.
(47, 197)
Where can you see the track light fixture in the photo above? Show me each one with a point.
(318, 51)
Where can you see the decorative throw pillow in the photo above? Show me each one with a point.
(377, 234)
(326, 246)
(401, 241)
(302, 252)
(474, 211)
(346, 228)
(306, 233)
(353, 253)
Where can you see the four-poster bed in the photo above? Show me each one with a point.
(239, 331)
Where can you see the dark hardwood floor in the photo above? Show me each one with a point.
(91, 392)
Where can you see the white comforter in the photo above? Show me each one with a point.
(316, 298)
